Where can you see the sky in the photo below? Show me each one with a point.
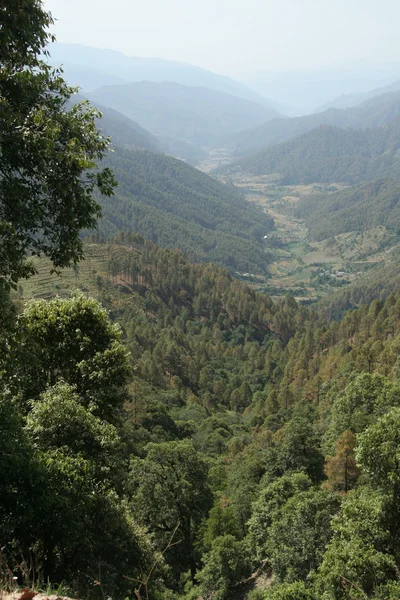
(235, 37)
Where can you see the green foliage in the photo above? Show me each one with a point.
(289, 591)
(295, 447)
(357, 560)
(272, 497)
(170, 493)
(364, 399)
(357, 208)
(74, 340)
(299, 534)
(378, 452)
(224, 566)
(58, 420)
(177, 206)
(48, 169)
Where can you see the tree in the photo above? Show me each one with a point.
(272, 497)
(341, 469)
(357, 560)
(70, 339)
(299, 533)
(289, 591)
(295, 448)
(224, 566)
(169, 487)
(379, 455)
(364, 398)
(49, 150)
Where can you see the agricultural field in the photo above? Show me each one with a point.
(310, 270)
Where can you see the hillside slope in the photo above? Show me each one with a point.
(329, 154)
(372, 113)
(178, 206)
(357, 208)
(195, 114)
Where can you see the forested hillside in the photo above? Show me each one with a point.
(328, 154)
(372, 113)
(125, 133)
(357, 208)
(178, 206)
(266, 414)
(194, 114)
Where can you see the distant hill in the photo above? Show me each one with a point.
(309, 89)
(177, 206)
(194, 114)
(329, 154)
(372, 113)
(357, 208)
(126, 133)
(349, 100)
(91, 68)
(123, 132)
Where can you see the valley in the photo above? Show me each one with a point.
(310, 270)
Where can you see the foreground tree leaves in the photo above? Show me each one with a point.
(73, 340)
(49, 151)
(169, 488)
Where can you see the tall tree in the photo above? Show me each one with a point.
(48, 150)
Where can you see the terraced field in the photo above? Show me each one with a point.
(85, 277)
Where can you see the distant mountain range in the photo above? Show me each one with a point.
(91, 68)
(309, 90)
(350, 100)
(195, 114)
(329, 154)
(372, 113)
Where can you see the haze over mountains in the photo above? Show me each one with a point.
(372, 113)
(307, 90)
(91, 68)
(195, 114)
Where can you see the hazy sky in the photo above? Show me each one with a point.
(237, 36)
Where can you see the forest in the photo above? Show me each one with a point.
(167, 432)
(357, 208)
(175, 205)
(328, 154)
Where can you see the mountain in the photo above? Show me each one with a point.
(372, 113)
(126, 133)
(195, 114)
(329, 154)
(310, 89)
(91, 68)
(357, 208)
(349, 100)
(177, 206)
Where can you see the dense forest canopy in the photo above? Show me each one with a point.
(328, 154)
(273, 398)
(177, 206)
(357, 208)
